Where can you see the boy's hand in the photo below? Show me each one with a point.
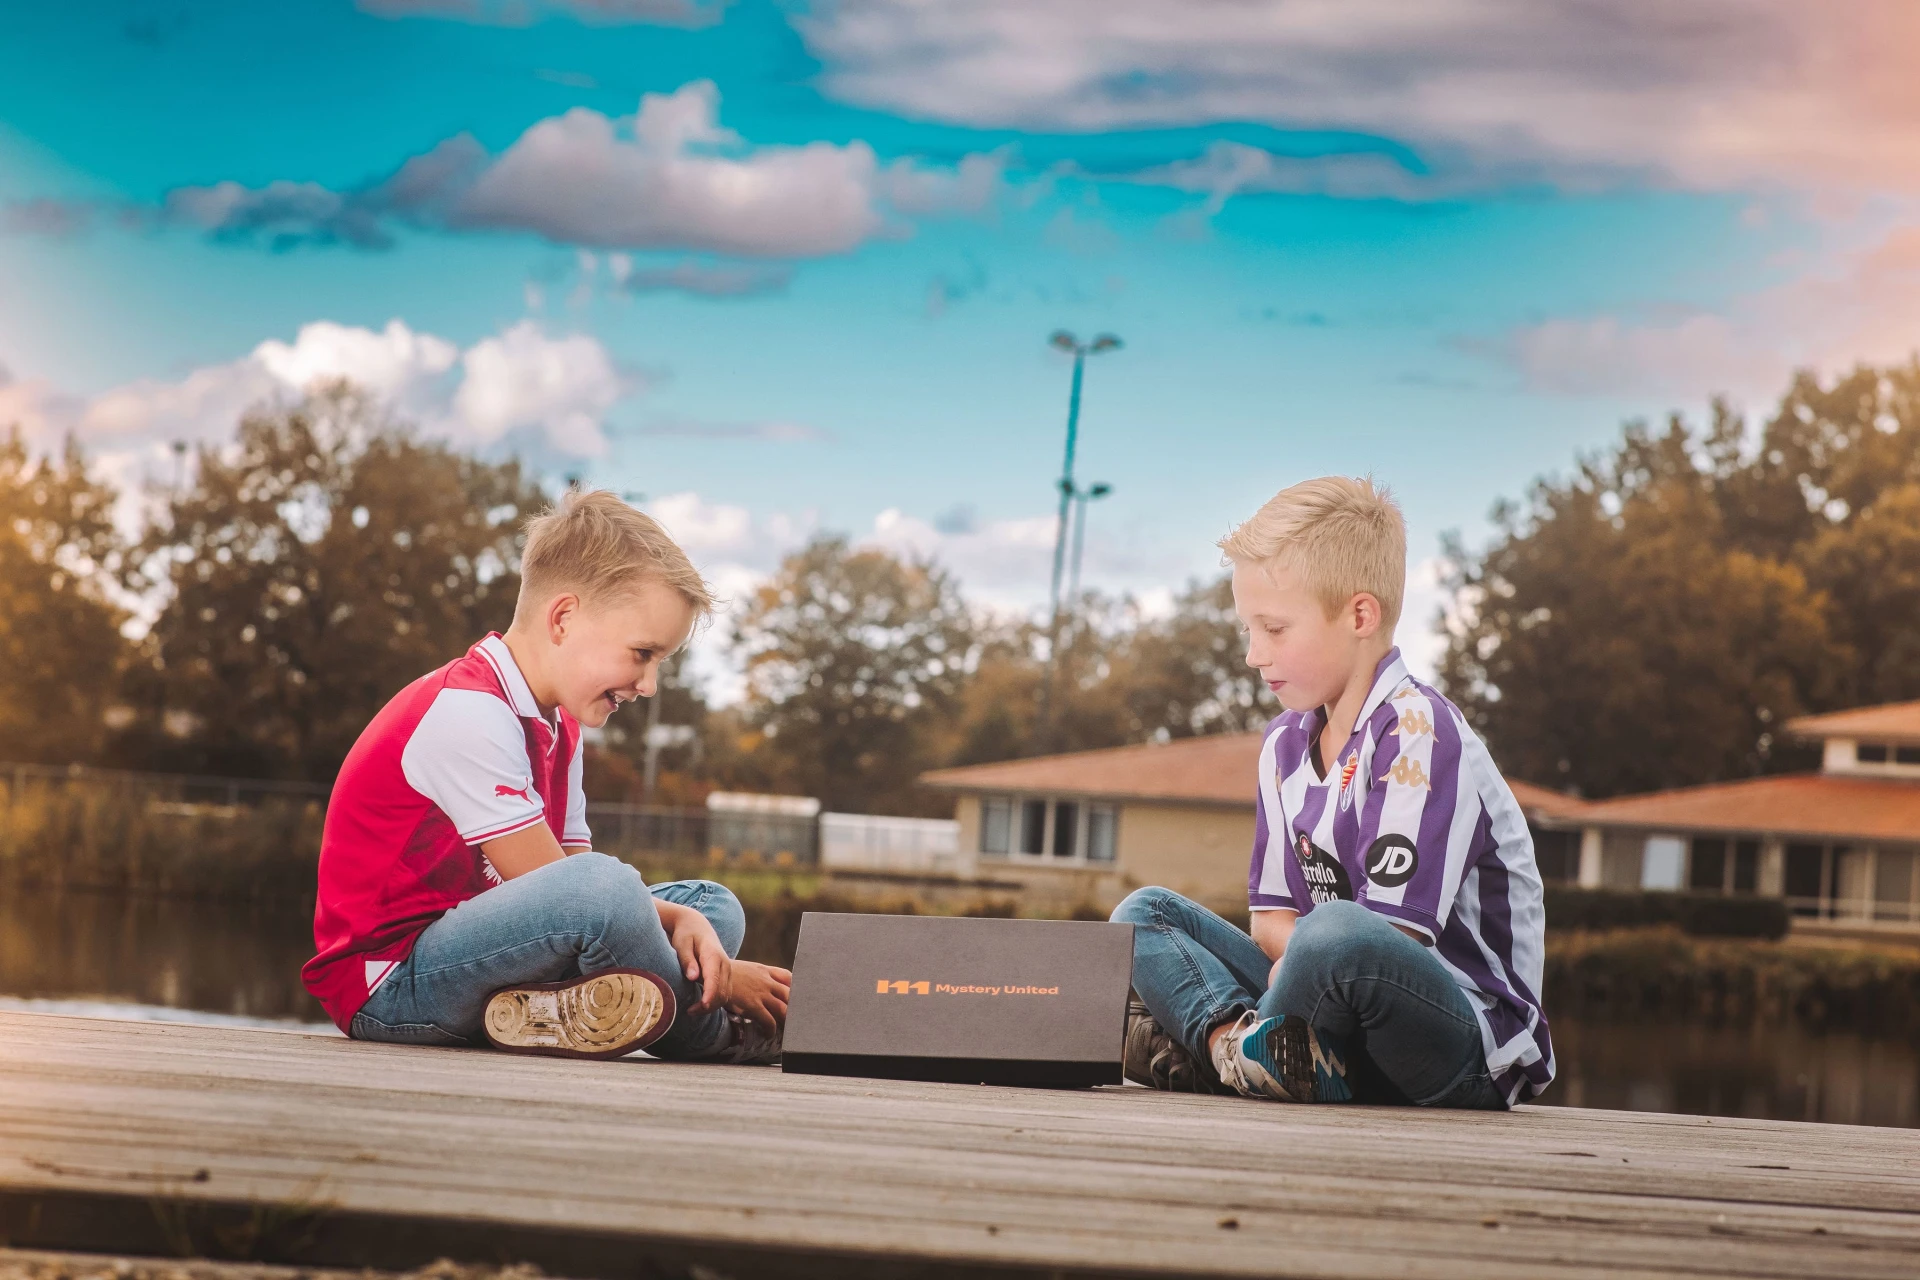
(761, 992)
(702, 958)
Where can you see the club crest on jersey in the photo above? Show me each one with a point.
(1347, 770)
(1326, 879)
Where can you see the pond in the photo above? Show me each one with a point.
(146, 958)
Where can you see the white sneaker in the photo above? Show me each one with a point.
(1281, 1058)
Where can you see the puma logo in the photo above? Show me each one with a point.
(525, 793)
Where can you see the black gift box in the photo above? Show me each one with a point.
(1021, 1002)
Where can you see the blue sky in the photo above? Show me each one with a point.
(783, 266)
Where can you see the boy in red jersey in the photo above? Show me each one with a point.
(459, 894)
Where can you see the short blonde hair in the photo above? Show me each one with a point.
(1343, 535)
(592, 543)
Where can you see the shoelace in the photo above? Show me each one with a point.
(1226, 1060)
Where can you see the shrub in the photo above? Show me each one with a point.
(1703, 915)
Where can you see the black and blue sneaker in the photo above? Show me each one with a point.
(1284, 1059)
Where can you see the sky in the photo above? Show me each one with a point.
(777, 268)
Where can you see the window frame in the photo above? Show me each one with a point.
(1083, 819)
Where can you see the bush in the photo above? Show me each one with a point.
(1703, 915)
(1663, 974)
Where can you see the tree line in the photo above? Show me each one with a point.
(1650, 620)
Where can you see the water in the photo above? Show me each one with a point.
(109, 956)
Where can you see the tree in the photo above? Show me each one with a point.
(316, 566)
(61, 651)
(1187, 674)
(1653, 620)
(854, 662)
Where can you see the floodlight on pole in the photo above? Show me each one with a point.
(1064, 341)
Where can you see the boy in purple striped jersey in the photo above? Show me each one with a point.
(1398, 928)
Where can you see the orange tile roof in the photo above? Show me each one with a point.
(1888, 722)
(1817, 805)
(1545, 803)
(1211, 770)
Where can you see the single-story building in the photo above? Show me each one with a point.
(1092, 826)
(1840, 844)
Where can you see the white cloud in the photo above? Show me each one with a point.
(1861, 309)
(1706, 94)
(669, 177)
(524, 379)
(555, 390)
(660, 180)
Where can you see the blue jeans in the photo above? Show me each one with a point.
(1409, 1032)
(584, 913)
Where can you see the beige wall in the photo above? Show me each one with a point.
(1201, 851)
(1198, 850)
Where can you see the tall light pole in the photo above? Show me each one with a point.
(1081, 497)
(1064, 341)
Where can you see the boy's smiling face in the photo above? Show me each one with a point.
(1304, 656)
(606, 654)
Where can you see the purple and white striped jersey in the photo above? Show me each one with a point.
(1414, 822)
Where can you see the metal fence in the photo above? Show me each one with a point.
(190, 788)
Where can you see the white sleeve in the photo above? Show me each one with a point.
(468, 755)
(578, 835)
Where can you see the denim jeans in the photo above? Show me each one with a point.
(1410, 1035)
(584, 913)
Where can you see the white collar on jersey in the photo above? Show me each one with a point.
(1387, 677)
(519, 694)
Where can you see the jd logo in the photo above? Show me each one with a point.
(1326, 878)
(883, 987)
(1391, 861)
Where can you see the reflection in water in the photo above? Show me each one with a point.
(236, 961)
(187, 955)
(1770, 1071)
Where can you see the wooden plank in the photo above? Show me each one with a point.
(1109, 1180)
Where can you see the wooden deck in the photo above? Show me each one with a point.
(154, 1137)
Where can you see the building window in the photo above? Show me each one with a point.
(1746, 866)
(1557, 854)
(1709, 869)
(996, 826)
(1033, 826)
(1906, 755)
(1871, 753)
(1102, 819)
(1806, 884)
(1066, 821)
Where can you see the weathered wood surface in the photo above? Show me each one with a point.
(1102, 1181)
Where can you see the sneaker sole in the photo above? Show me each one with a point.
(602, 1015)
(1285, 1055)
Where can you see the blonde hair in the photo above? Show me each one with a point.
(592, 543)
(1343, 535)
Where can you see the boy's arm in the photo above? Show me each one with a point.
(1272, 928)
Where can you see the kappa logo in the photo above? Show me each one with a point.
(1414, 723)
(1408, 773)
(1404, 694)
(1391, 861)
(525, 793)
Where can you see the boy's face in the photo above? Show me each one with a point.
(1305, 657)
(608, 653)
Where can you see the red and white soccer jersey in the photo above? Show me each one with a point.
(459, 757)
